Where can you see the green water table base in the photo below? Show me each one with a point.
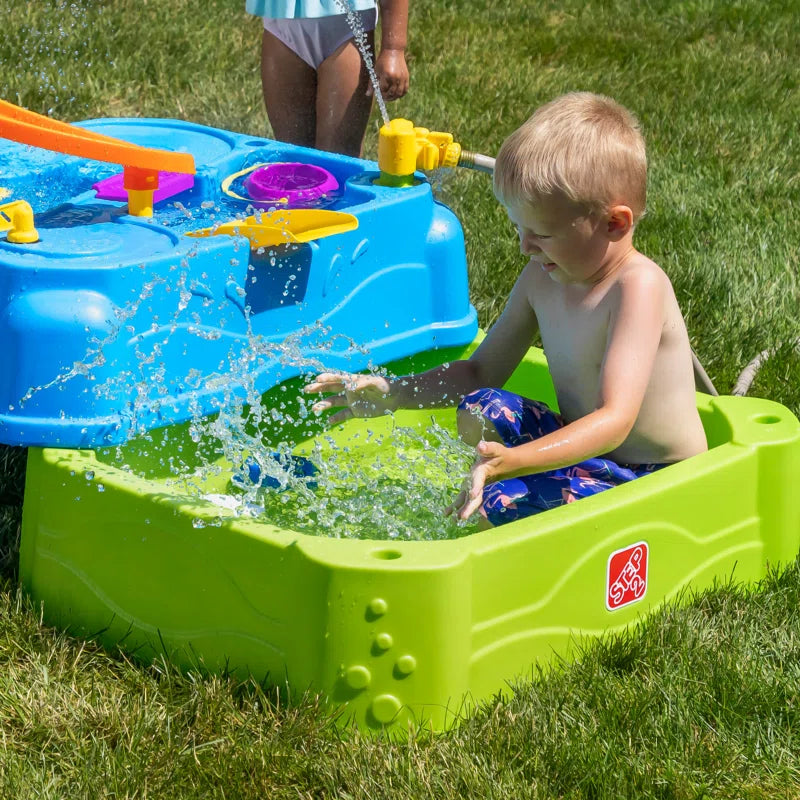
(401, 633)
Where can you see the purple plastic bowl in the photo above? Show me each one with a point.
(297, 183)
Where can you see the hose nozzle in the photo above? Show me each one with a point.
(476, 161)
(404, 148)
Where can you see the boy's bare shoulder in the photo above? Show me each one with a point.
(640, 264)
(641, 273)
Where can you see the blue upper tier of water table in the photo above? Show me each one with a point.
(113, 324)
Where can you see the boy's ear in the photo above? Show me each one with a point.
(620, 222)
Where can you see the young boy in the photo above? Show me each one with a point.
(573, 180)
(316, 87)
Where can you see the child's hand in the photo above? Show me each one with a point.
(392, 73)
(492, 463)
(357, 395)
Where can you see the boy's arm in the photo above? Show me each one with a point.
(632, 343)
(390, 65)
(490, 365)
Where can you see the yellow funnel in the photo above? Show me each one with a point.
(285, 226)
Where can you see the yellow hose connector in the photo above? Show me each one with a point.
(437, 149)
(403, 148)
(17, 218)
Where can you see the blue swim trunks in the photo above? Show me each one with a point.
(519, 420)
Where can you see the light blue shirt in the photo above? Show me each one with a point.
(303, 9)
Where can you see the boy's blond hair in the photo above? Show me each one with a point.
(586, 146)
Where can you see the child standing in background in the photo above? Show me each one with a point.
(316, 86)
(573, 181)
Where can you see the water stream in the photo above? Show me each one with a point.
(360, 37)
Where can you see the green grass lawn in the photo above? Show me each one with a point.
(701, 701)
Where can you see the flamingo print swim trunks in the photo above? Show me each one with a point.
(519, 420)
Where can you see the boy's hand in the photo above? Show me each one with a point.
(356, 395)
(493, 463)
(392, 72)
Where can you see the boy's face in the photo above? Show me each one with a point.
(561, 237)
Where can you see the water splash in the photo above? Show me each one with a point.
(395, 489)
(381, 480)
(58, 51)
(385, 481)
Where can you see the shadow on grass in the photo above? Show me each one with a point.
(12, 487)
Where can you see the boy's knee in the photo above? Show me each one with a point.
(470, 426)
(475, 401)
(471, 419)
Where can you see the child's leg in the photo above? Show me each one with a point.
(343, 106)
(514, 498)
(512, 420)
(290, 91)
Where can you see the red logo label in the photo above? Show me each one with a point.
(627, 576)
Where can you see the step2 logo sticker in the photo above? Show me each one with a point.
(626, 580)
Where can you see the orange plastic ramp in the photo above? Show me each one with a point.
(28, 127)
